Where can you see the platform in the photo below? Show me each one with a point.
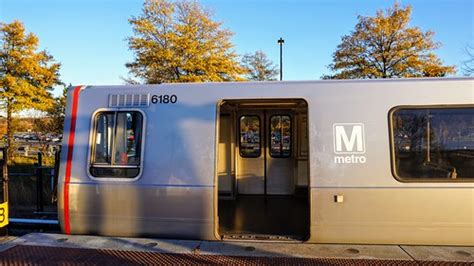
(48, 249)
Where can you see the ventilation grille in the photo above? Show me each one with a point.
(129, 100)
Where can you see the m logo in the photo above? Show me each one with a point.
(349, 138)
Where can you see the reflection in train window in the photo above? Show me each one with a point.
(249, 138)
(280, 136)
(117, 144)
(433, 143)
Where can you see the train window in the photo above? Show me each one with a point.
(433, 144)
(249, 141)
(117, 144)
(280, 136)
(103, 139)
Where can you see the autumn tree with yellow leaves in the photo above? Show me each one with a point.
(177, 41)
(26, 74)
(384, 46)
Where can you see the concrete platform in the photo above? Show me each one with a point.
(6, 242)
(248, 249)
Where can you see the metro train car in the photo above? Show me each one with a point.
(349, 161)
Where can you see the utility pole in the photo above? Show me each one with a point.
(281, 42)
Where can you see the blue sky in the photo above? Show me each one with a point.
(88, 36)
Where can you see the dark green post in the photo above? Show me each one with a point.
(4, 209)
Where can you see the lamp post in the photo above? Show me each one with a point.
(281, 42)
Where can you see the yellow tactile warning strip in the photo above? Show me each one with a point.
(41, 255)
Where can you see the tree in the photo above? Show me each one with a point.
(259, 67)
(468, 65)
(26, 74)
(177, 41)
(384, 46)
(53, 121)
(57, 113)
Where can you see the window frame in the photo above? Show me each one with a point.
(91, 149)
(392, 144)
(281, 141)
(259, 134)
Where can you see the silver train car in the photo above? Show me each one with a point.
(378, 161)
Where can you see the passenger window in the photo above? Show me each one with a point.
(103, 139)
(249, 145)
(117, 144)
(433, 143)
(127, 136)
(280, 136)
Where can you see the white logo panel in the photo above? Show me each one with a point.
(349, 143)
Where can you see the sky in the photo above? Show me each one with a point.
(88, 37)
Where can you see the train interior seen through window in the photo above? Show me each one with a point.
(116, 145)
(433, 143)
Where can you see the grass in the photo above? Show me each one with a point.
(25, 164)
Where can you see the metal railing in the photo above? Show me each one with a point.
(31, 211)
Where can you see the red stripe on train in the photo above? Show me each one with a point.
(67, 177)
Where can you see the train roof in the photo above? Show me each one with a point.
(260, 83)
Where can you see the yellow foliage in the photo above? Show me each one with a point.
(384, 46)
(26, 75)
(177, 41)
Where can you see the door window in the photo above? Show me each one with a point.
(280, 136)
(249, 136)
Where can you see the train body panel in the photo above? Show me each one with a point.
(174, 191)
(133, 210)
(441, 216)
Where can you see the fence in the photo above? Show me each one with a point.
(32, 189)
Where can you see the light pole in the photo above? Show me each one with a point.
(281, 42)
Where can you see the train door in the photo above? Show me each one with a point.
(265, 165)
(279, 159)
(251, 158)
(263, 188)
